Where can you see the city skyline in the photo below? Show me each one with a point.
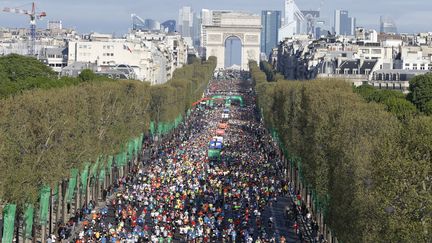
(109, 16)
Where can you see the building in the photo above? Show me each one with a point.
(54, 57)
(54, 25)
(147, 56)
(196, 30)
(343, 24)
(144, 24)
(271, 22)
(169, 26)
(185, 24)
(311, 19)
(387, 25)
(293, 21)
(244, 27)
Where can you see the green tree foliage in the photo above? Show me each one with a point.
(86, 75)
(45, 133)
(268, 70)
(18, 67)
(21, 73)
(359, 158)
(421, 91)
(394, 101)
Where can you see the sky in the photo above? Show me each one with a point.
(113, 16)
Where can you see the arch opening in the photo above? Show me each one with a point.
(233, 51)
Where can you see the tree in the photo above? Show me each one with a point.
(357, 156)
(421, 91)
(402, 108)
(87, 75)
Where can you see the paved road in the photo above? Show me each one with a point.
(179, 195)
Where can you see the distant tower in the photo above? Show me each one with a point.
(343, 24)
(271, 22)
(387, 25)
(169, 26)
(293, 20)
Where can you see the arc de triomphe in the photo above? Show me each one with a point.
(245, 26)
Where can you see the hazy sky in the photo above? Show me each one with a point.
(114, 15)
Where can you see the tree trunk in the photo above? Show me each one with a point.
(43, 233)
(65, 212)
(17, 225)
(59, 204)
(78, 194)
(51, 207)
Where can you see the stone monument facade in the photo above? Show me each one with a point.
(245, 26)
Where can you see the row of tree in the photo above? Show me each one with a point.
(20, 73)
(369, 172)
(47, 136)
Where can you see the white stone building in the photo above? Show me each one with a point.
(153, 56)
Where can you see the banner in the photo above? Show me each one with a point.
(44, 205)
(152, 127)
(28, 221)
(94, 168)
(84, 177)
(72, 185)
(8, 223)
(102, 174)
(121, 159)
(136, 144)
(130, 149)
(110, 163)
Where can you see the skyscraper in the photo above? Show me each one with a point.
(293, 20)
(343, 24)
(169, 26)
(185, 24)
(271, 22)
(387, 25)
(144, 24)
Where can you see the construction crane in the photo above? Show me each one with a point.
(33, 16)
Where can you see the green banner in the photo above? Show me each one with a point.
(94, 167)
(141, 141)
(72, 185)
(102, 174)
(152, 127)
(130, 149)
(28, 221)
(214, 153)
(84, 177)
(121, 159)
(136, 147)
(44, 204)
(8, 223)
(110, 163)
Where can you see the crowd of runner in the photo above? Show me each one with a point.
(180, 195)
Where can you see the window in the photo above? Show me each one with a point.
(367, 71)
(376, 51)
